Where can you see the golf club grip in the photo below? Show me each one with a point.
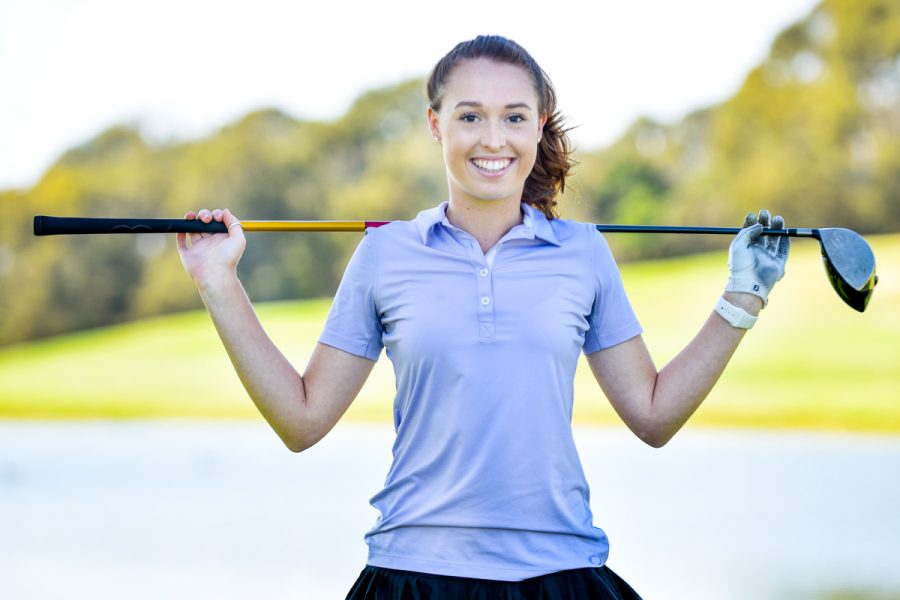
(44, 225)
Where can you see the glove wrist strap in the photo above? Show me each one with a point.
(748, 286)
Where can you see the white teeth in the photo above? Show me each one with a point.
(493, 164)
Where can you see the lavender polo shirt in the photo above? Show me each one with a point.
(486, 481)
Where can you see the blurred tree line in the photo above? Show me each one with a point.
(813, 133)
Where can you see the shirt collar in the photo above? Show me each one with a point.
(538, 223)
(535, 224)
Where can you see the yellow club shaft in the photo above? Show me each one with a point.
(304, 225)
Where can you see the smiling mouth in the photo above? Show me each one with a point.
(491, 165)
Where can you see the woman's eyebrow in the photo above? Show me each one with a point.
(471, 103)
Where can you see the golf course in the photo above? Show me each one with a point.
(810, 363)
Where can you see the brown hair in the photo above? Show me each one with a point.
(548, 177)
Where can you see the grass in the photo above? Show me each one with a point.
(810, 362)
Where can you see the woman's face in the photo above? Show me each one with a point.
(489, 127)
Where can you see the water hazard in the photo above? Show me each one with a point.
(194, 509)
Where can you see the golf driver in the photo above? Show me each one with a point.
(849, 261)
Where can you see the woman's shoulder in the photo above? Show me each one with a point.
(575, 231)
(583, 237)
(391, 235)
(415, 230)
(392, 229)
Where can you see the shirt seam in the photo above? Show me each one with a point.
(347, 345)
(598, 287)
(480, 566)
(375, 269)
(623, 334)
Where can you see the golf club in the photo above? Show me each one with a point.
(849, 261)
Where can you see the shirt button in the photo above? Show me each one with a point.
(483, 272)
(485, 300)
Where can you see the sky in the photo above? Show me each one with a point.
(180, 69)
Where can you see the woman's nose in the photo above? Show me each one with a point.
(493, 136)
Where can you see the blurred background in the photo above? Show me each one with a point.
(122, 427)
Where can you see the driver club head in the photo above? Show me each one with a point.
(850, 265)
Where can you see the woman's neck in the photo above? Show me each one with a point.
(487, 222)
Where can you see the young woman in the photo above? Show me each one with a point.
(484, 304)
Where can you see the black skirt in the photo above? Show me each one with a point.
(599, 583)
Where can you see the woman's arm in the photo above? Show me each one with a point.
(656, 404)
(301, 409)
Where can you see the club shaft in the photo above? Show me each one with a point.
(790, 232)
(46, 225)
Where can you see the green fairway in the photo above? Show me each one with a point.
(810, 362)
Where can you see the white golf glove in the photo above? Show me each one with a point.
(757, 261)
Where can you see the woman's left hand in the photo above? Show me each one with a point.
(757, 261)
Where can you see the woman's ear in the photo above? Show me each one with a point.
(541, 122)
(434, 124)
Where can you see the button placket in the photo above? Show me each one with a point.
(485, 303)
(485, 298)
(483, 287)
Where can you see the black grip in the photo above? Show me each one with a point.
(44, 225)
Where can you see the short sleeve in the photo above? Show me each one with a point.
(353, 324)
(612, 320)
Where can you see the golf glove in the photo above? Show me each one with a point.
(757, 261)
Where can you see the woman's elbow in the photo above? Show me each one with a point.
(656, 441)
(296, 446)
(300, 431)
(655, 437)
(298, 441)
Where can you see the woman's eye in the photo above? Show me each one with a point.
(517, 118)
(469, 118)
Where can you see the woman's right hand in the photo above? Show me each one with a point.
(209, 258)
